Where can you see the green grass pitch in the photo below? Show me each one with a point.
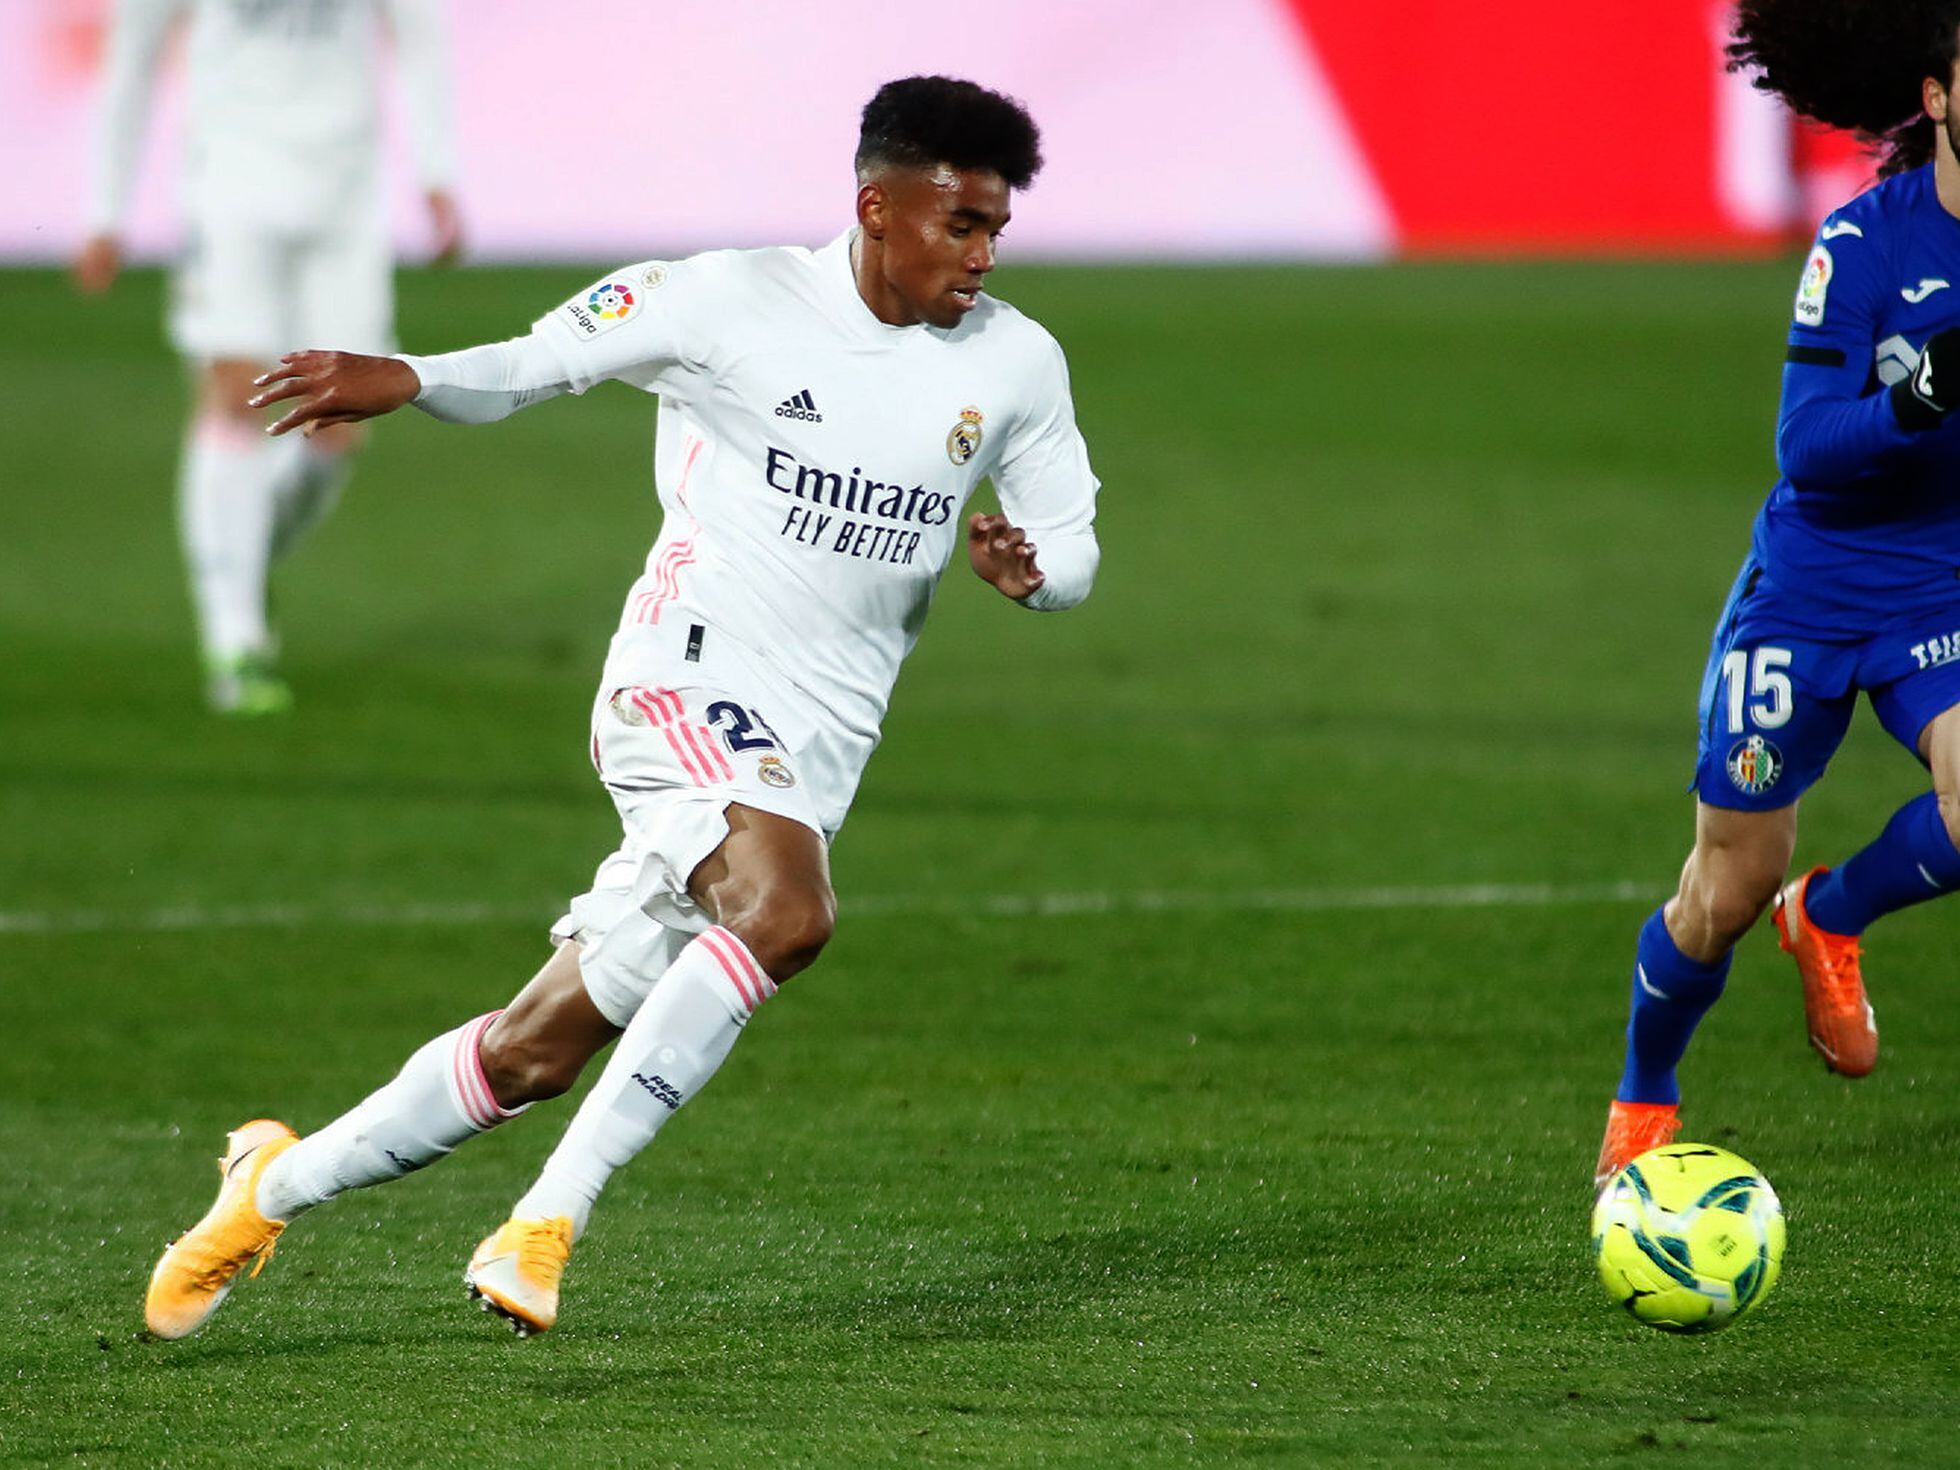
(1117, 1126)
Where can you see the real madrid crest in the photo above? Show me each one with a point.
(964, 442)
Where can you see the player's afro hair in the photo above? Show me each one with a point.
(1854, 64)
(921, 121)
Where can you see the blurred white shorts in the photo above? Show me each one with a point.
(248, 290)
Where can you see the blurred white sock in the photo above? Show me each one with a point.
(225, 509)
(307, 489)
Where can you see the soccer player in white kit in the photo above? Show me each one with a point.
(824, 416)
(287, 243)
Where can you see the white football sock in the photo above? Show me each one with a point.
(308, 487)
(225, 505)
(439, 1099)
(681, 1033)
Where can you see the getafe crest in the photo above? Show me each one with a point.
(964, 442)
(1754, 765)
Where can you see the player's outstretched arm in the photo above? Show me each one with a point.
(477, 385)
(334, 388)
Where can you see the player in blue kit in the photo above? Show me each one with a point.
(1852, 581)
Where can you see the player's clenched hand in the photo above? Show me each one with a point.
(1002, 554)
(334, 388)
(1924, 398)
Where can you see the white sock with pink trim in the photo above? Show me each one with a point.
(681, 1033)
(226, 491)
(439, 1099)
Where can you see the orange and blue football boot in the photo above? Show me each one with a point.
(1843, 1030)
(1631, 1129)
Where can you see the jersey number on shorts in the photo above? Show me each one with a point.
(743, 729)
(1761, 684)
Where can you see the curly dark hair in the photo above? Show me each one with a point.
(1855, 64)
(921, 121)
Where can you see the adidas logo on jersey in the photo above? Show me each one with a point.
(799, 406)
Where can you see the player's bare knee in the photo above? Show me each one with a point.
(1715, 909)
(222, 393)
(1733, 909)
(786, 927)
(523, 1069)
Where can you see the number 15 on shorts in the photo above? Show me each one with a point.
(1758, 688)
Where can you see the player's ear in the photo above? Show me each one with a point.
(872, 210)
(1933, 97)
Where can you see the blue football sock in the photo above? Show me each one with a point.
(1912, 860)
(1671, 993)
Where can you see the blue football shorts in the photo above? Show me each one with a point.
(1783, 678)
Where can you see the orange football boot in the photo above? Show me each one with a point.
(200, 1267)
(1842, 1028)
(515, 1273)
(1631, 1129)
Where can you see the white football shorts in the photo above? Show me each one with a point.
(248, 290)
(674, 751)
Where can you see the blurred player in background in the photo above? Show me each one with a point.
(824, 415)
(1852, 581)
(286, 243)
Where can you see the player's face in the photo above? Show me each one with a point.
(937, 229)
(1950, 124)
(1942, 105)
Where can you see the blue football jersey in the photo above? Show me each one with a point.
(1865, 520)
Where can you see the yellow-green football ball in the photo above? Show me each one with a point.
(1688, 1237)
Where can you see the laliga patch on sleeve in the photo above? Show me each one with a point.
(612, 300)
(1814, 288)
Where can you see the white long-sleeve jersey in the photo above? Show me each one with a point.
(812, 461)
(283, 126)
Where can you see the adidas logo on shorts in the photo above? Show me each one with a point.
(799, 406)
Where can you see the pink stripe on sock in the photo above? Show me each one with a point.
(227, 432)
(716, 942)
(765, 987)
(746, 973)
(472, 1086)
(459, 1074)
(498, 1111)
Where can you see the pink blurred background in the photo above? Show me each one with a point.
(1225, 129)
